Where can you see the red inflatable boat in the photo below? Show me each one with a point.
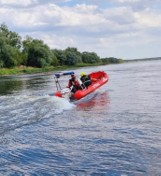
(98, 79)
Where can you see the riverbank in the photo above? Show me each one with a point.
(33, 70)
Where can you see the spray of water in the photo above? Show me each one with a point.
(17, 111)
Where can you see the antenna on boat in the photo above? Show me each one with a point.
(57, 84)
(58, 75)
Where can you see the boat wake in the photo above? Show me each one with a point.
(17, 111)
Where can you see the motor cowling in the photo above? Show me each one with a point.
(58, 94)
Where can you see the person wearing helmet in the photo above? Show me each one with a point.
(85, 79)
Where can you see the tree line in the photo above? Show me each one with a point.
(35, 53)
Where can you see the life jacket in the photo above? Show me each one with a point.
(73, 82)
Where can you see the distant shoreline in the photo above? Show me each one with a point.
(144, 59)
(23, 70)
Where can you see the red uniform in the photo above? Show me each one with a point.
(74, 84)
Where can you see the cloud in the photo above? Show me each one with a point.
(111, 26)
(18, 2)
(28, 3)
(138, 5)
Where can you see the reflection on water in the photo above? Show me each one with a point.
(7, 86)
(23, 83)
(99, 102)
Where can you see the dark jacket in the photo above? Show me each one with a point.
(86, 80)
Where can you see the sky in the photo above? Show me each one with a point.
(126, 29)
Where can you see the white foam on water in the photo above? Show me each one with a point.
(18, 111)
(42, 105)
(61, 103)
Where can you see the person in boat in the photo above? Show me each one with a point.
(73, 84)
(86, 80)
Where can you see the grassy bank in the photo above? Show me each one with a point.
(32, 70)
(28, 70)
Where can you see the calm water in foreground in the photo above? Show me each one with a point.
(115, 132)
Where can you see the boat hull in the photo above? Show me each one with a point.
(98, 79)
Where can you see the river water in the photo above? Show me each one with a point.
(115, 131)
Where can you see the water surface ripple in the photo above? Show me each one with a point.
(115, 131)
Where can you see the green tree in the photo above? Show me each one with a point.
(2, 43)
(73, 56)
(112, 60)
(26, 44)
(9, 56)
(60, 55)
(11, 38)
(10, 44)
(38, 54)
(55, 61)
(90, 57)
